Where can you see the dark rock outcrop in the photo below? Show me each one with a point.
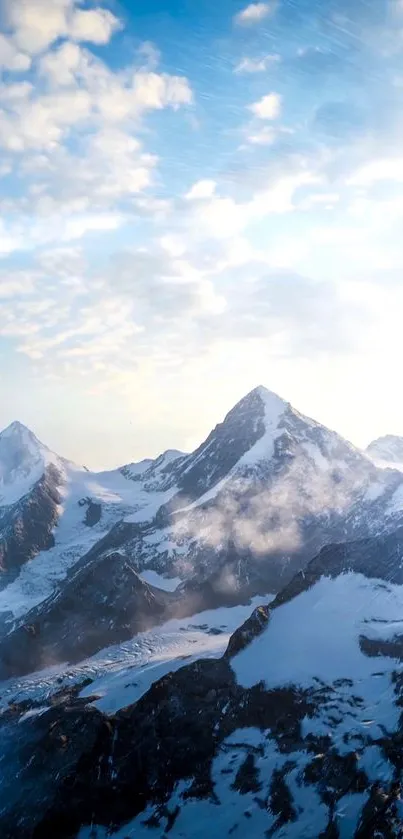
(103, 603)
(113, 767)
(26, 528)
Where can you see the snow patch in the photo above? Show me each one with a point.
(318, 634)
(164, 583)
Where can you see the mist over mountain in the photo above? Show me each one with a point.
(219, 631)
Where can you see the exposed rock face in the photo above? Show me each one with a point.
(379, 558)
(224, 447)
(45, 752)
(26, 528)
(79, 768)
(93, 511)
(249, 630)
(238, 517)
(102, 604)
(112, 768)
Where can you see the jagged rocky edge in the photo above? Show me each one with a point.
(112, 769)
(26, 527)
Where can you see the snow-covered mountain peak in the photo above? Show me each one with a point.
(167, 457)
(261, 399)
(387, 451)
(18, 429)
(23, 459)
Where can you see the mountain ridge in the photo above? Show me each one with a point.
(236, 518)
(261, 740)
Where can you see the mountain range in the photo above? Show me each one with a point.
(131, 703)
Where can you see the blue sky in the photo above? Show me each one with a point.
(197, 198)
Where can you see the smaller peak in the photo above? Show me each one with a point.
(19, 436)
(386, 438)
(171, 454)
(386, 448)
(16, 427)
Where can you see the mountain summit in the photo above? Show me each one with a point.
(23, 460)
(387, 451)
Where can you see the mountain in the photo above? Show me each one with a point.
(294, 732)
(259, 497)
(30, 482)
(387, 451)
(236, 518)
(162, 704)
(55, 511)
(23, 461)
(107, 602)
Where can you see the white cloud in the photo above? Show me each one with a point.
(36, 24)
(269, 107)
(220, 218)
(253, 13)
(42, 122)
(115, 96)
(265, 137)
(76, 90)
(279, 196)
(16, 91)
(156, 91)
(77, 227)
(384, 169)
(201, 189)
(61, 65)
(94, 25)
(256, 65)
(10, 240)
(105, 168)
(327, 199)
(149, 55)
(174, 245)
(11, 58)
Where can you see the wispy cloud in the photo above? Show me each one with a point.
(201, 189)
(253, 13)
(256, 65)
(132, 242)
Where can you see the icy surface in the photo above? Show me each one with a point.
(318, 634)
(387, 451)
(263, 449)
(119, 497)
(73, 538)
(23, 460)
(165, 583)
(120, 674)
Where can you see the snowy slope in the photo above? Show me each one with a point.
(387, 452)
(294, 733)
(112, 495)
(121, 674)
(319, 634)
(324, 762)
(268, 480)
(116, 496)
(253, 503)
(23, 460)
